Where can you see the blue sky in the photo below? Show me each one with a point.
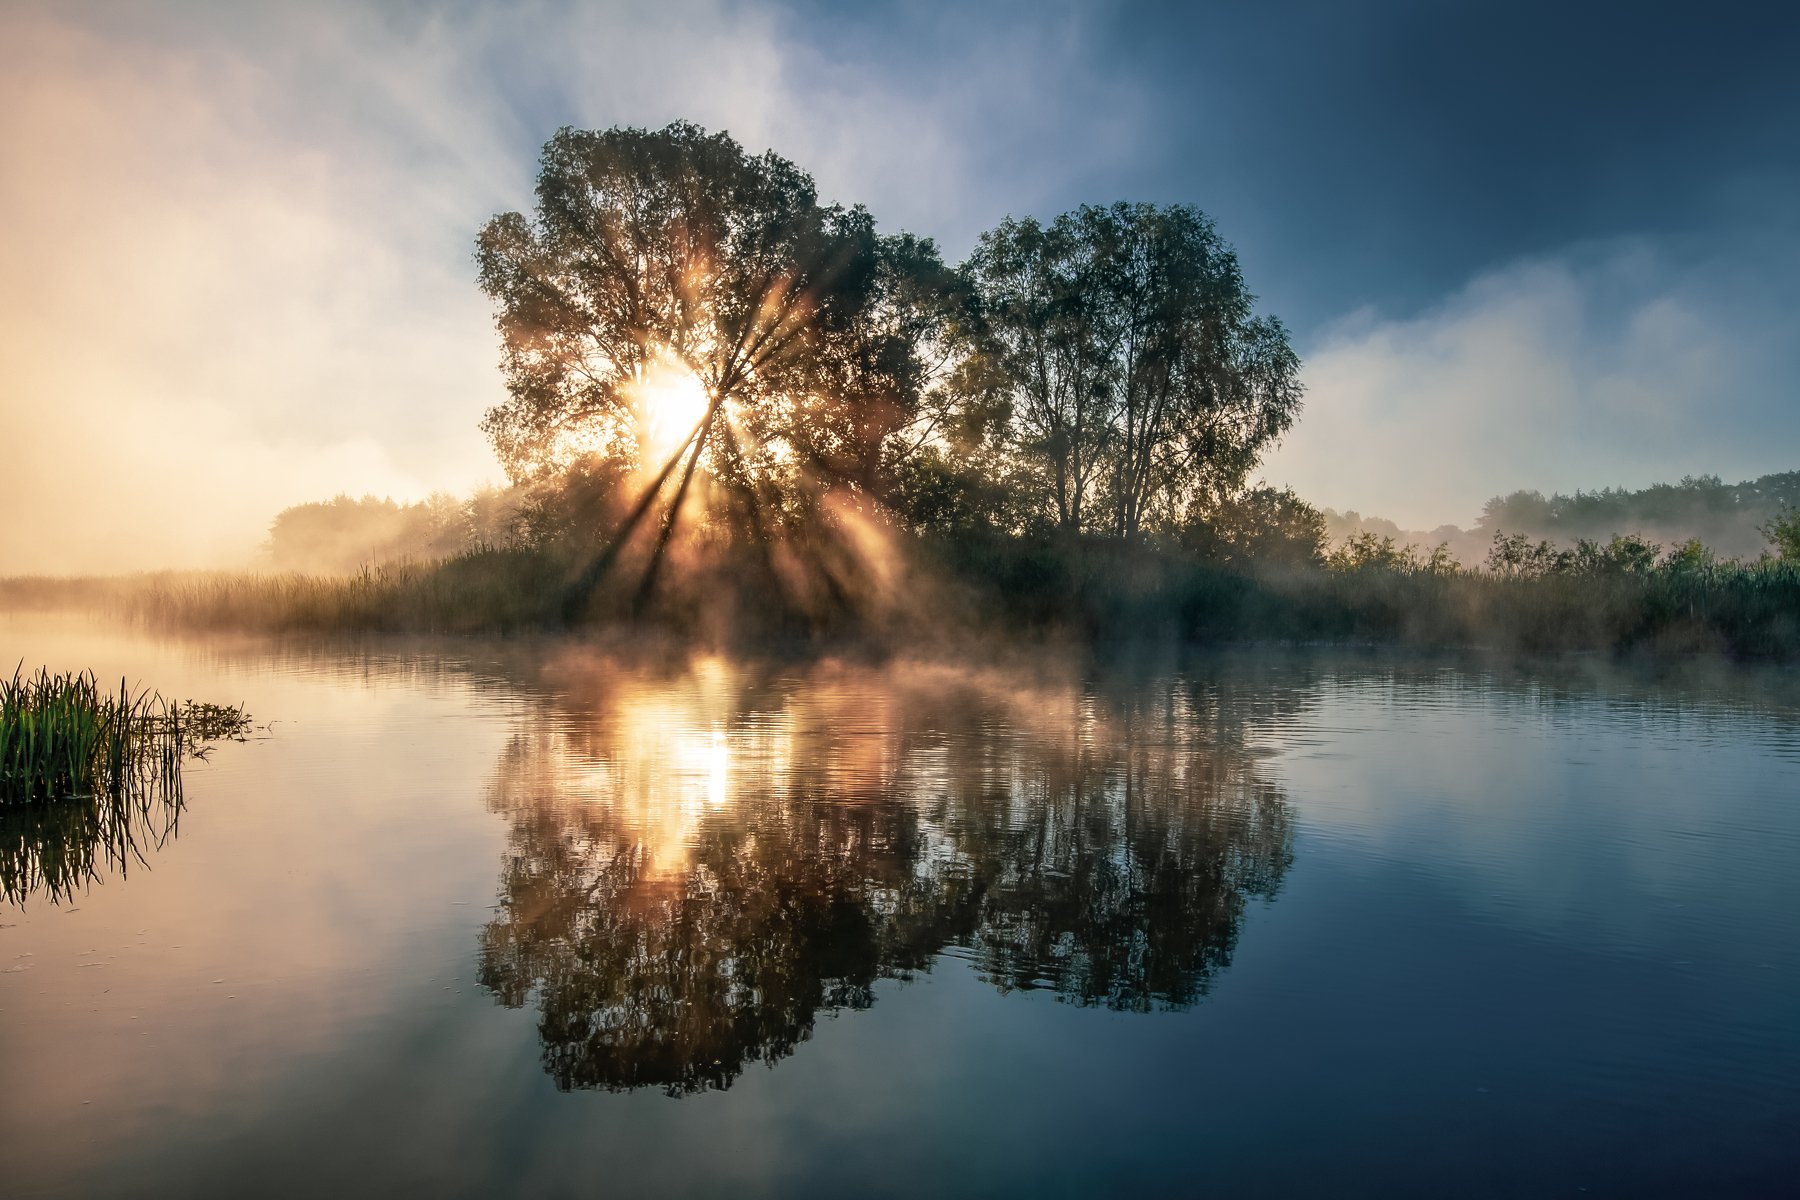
(1518, 245)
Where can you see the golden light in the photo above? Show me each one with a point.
(668, 400)
(663, 762)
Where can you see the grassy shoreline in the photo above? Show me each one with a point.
(1088, 593)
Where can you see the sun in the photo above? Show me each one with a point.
(668, 400)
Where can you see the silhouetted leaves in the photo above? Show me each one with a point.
(803, 323)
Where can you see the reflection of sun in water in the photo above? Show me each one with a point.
(703, 763)
(670, 766)
(668, 400)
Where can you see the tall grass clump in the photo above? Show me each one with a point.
(478, 591)
(89, 776)
(63, 737)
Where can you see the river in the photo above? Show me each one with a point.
(550, 917)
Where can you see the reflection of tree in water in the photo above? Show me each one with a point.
(700, 865)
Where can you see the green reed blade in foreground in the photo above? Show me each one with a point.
(62, 738)
(88, 779)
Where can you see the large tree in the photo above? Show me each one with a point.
(1140, 381)
(675, 251)
(1105, 373)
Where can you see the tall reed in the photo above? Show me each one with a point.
(1003, 585)
(63, 736)
(90, 777)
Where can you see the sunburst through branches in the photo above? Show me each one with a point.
(668, 403)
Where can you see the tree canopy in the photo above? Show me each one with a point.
(675, 248)
(1104, 373)
(1138, 379)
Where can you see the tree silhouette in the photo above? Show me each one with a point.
(803, 326)
(1105, 373)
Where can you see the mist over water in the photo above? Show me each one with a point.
(493, 916)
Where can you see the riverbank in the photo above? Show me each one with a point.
(1097, 593)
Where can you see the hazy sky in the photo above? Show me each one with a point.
(1519, 244)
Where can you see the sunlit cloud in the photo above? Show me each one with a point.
(240, 275)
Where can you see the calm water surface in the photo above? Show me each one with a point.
(537, 919)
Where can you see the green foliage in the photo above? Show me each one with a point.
(1370, 552)
(1380, 552)
(63, 738)
(1258, 527)
(1728, 517)
(1624, 555)
(1136, 376)
(939, 495)
(1688, 557)
(1515, 556)
(1622, 595)
(1625, 596)
(1783, 533)
(89, 777)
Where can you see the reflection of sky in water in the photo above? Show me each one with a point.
(1538, 931)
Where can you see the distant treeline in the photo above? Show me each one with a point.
(1730, 519)
(342, 535)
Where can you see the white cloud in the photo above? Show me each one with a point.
(1617, 365)
(238, 271)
